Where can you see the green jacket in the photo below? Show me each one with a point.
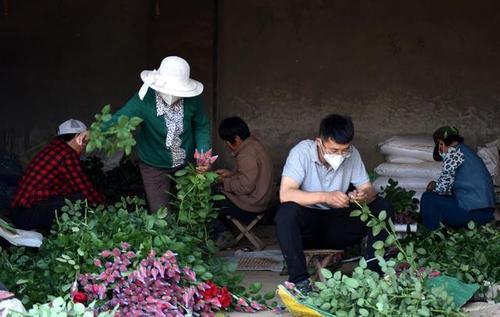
(151, 141)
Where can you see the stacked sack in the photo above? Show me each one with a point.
(409, 161)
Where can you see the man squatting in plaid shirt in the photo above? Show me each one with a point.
(53, 175)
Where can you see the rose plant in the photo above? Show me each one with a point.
(108, 136)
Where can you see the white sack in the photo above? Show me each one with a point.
(415, 146)
(402, 159)
(428, 170)
(409, 183)
(490, 157)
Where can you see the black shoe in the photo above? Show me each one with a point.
(304, 287)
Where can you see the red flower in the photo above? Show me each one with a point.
(225, 297)
(80, 297)
(210, 292)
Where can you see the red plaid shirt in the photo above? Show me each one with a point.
(54, 171)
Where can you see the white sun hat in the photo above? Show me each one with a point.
(171, 78)
(71, 126)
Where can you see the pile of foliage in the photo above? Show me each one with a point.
(403, 201)
(471, 255)
(400, 292)
(81, 232)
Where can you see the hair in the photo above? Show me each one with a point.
(453, 138)
(232, 127)
(66, 137)
(338, 128)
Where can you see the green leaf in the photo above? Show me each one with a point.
(421, 251)
(326, 273)
(382, 216)
(78, 309)
(377, 229)
(351, 282)
(255, 288)
(378, 245)
(207, 276)
(106, 109)
(364, 217)
(355, 213)
(135, 121)
(390, 239)
(363, 312)
(362, 263)
(218, 197)
(269, 295)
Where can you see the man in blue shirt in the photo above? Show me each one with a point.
(316, 201)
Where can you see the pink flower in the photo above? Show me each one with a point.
(189, 274)
(289, 285)
(97, 263)
(203, 159)
(242, 302)
(125, 246)
(105, 253)
(255, 305)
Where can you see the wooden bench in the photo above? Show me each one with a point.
(321, 258)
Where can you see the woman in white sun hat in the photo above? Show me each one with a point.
(174, 125)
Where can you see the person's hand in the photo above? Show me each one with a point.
(223, 172)
(337, 199)
(431, 186)
(201, 169)
(358, 195)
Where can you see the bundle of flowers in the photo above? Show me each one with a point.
(157, 287)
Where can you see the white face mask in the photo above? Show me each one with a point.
(335, 160)
(169, 99)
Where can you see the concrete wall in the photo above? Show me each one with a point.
(394, 66)
(62, 59)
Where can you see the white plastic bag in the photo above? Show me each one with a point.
(22, 238)
(410, 183)
(8, 304)
(414, 146)
(427, 170)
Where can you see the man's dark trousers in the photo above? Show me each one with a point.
(300, 228)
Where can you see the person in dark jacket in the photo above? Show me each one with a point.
(464, 190)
